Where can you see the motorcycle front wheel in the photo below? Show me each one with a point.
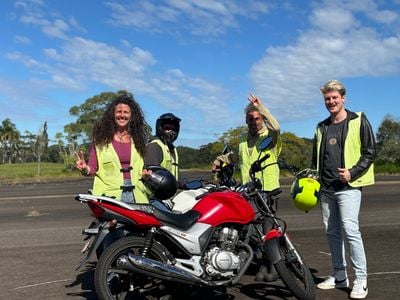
(293, 271)
(112, 282)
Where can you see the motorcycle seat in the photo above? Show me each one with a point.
(183, 221)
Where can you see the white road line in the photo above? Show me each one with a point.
(37, 284)
(384, 273)
(37, 197)
(326, 253)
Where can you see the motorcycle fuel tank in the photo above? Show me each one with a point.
(224, 207)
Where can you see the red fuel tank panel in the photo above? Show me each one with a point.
(224, 207)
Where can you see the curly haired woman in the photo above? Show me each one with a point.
(117, 151)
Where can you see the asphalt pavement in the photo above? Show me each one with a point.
(40, 243)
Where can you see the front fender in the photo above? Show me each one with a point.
(271, 245)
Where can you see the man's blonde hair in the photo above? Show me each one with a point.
(333, 85)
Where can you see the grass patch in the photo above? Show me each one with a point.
(29, 171)
(387, 168)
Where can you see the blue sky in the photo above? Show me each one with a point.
(198, 59)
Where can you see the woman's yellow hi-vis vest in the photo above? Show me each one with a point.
(269, 177)
(109, 178)
(352, 152)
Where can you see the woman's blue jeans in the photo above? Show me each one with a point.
(127, 197)
(340, 212)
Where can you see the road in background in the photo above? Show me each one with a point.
(40, 243)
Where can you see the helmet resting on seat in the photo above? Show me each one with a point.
(161, 183)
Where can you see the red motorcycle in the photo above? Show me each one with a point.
(211, 245)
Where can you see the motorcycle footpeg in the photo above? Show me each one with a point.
(90, 231)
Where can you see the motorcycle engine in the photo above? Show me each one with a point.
(221, 261)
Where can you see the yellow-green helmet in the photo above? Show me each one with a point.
(305, 193)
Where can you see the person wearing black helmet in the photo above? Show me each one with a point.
(160, 151)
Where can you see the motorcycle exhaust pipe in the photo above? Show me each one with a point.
(156, 269)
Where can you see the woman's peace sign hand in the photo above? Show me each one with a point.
(80, 163)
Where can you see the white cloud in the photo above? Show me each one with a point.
(23, 40)
(52, 53)
(337, 46)
(202, 18)
(24, 59)
(26, 103)
(75, 24)
(371, 11)
(82, 62)
(56, 29)
(34, 13)
(333, 20)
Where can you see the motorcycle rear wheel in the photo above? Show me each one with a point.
(294, 273)
(112, 282)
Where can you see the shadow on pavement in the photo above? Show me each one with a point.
(85, 280)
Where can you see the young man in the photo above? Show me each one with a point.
(343, 154)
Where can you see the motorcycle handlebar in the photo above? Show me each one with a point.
(256, 166)
(266, 156)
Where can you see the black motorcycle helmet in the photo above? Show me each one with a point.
(171, 136)
(161, 183)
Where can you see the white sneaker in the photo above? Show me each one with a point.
(337, 280)
(360, 289)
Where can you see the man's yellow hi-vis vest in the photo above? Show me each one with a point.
(269, 177)
(168, 161)
(352, 151)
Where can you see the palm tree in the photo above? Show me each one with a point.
(9, 137)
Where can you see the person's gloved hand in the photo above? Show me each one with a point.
(221, 161)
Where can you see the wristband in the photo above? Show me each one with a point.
(86, 171)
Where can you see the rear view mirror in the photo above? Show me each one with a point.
(193, 184)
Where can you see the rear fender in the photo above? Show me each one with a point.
(100, 242)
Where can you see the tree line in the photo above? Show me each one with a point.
(16, 147)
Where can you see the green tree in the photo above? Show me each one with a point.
(296, 152)
(40, 145)
(88, 113)
(9, 139)
(232, 137)
(26, 147)
(67, 145)
(188, 157)
(388, 141)
(53, 154)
